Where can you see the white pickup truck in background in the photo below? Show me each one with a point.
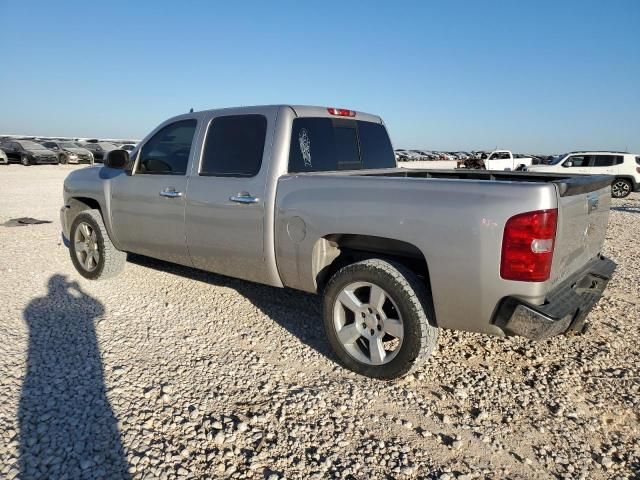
(505, 160)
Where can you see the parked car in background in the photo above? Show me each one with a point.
(625, 167)
(69, 152)
(28, 152)
(425, 155)
(3, 158)
(129, 147)
(99, 149)
(403, 155)
(311, 198)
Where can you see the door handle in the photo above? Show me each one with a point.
(244, 197)
(170, 193)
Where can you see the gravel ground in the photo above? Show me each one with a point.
(168, 372)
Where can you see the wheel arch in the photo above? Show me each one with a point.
(334, 251)
(79, 204)
(631, 178)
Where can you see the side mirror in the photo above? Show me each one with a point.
(568, 163)
(117, 159)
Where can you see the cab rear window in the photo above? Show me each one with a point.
(326, 144)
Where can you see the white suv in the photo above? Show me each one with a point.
(625, 167)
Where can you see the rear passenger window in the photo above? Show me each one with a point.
(167, 152)
(604, 160)
(234, 146)
(327, 144)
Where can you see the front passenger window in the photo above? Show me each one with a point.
(578, 161)
(167, 152)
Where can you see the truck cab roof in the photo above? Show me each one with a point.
(300, 111)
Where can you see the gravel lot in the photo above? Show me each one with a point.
(168, 372)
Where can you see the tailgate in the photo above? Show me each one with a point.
(583, 216)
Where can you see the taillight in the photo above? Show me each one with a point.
(527, 246)
(341, 112)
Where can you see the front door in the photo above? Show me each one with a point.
(226, 196)
(577, 163)
(148, 206)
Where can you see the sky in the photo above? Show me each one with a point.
(534, 76)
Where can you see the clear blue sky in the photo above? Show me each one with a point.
(539, 76)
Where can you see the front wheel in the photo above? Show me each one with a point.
(376, 317)
(92, 252)
(62, 159)
(620, 188)
(24, 160)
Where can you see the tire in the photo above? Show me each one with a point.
(62, 159)
(24, 160)
(109, 262)
(401, 320)
(621, 187)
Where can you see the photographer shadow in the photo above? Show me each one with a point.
(67, 426)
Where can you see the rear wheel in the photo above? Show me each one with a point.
(620, 188)
(376, 317)
(24, 160)
(92, 252)
(62, 159)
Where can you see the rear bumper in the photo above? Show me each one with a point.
(565, 308)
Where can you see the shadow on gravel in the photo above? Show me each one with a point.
(67, 427)
(299, 312)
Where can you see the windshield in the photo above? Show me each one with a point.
(68, 145)
(107, 146)
(557, 159)
(31, 145)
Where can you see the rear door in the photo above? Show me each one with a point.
(606, 164)
(7, 148)
(148, 206)
(225, 210)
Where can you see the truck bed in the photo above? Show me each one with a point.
(568, 185)
(455, 218)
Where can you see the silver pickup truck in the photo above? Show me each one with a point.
(310, 198)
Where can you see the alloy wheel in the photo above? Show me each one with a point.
(368, 323)
(86, 247)
(620, 189)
